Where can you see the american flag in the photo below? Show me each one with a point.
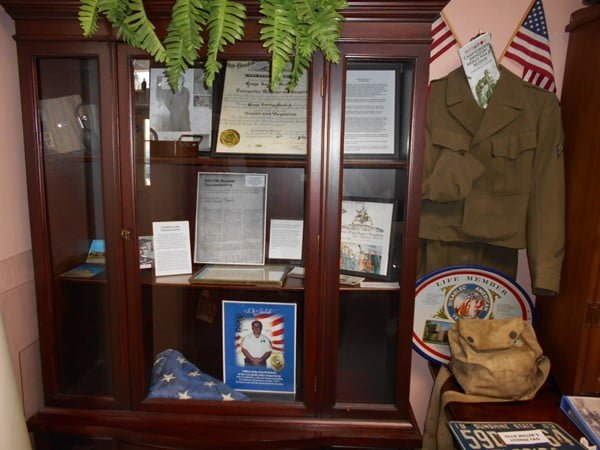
(530, 48)
(272, 328)
(442, 39)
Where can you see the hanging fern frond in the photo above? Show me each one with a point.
(292, 30)
(325, 24)
(304, 51)
(278, 35)
(144, 36)
(89, 11)
(225, 26)
(184, 38)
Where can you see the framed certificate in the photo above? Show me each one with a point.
(255, 120)
(230, 218)
(366, 236)
(377, 110)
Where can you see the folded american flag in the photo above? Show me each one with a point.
(173, 376)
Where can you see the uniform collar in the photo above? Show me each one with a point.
(504, 107)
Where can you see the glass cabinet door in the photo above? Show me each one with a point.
(369, 320)
(225, 167)
(74, 238)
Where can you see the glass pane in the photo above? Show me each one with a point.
(375, 151)
(191, 168)
(69, 98)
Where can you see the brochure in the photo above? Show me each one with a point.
(480, 67)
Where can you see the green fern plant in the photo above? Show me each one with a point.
(184, 37)
(292, 30)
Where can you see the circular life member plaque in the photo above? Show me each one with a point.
(462, 292)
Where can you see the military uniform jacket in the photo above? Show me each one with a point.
(496, 175)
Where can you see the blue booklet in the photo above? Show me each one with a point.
(84, 271)
(584, 412)
(512, 435)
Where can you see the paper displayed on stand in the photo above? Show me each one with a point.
(172, 253)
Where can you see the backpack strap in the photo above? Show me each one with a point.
(436, 435)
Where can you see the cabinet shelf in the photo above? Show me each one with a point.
(220, 161)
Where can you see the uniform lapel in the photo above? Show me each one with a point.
(504, 107)
(460, 102)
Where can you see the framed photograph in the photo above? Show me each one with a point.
(366, 237)
(256, 121)
(185, 115)
(259, 346)
(146, 246)
(377, 109)
(230, 218)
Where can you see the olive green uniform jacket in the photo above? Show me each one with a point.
(495, 176)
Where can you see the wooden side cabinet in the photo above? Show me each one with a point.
(568, 326)
(106, 162)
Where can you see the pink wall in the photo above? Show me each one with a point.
(467, 17)
(501, 19)
(17, 292)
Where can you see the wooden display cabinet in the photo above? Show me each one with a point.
(97, 173)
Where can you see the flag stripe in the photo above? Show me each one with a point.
(527, 61)
(442, 51)
(536, 49)
(442, 39)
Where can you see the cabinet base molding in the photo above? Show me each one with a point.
(174, 431)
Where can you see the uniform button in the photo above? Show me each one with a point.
(513, 335)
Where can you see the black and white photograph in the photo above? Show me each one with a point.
(146, 252)
(182, 115)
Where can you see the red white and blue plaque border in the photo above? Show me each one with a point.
(444, 296)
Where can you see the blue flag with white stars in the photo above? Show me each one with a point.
(174, 377)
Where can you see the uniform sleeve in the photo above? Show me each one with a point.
(546, 211)
(429, 155)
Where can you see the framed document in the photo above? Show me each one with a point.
(366, 236)
(377, 109)
(259, 346)
(185, 115)
(265, 275)
(255, 120)
(230, 218)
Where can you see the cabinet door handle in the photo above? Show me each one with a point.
(126, 234)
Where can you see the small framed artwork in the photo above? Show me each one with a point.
(366, 237)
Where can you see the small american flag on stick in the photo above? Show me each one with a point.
(442, 39)
(530, 48)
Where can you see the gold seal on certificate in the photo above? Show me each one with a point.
(277, 362)
(229, 138)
